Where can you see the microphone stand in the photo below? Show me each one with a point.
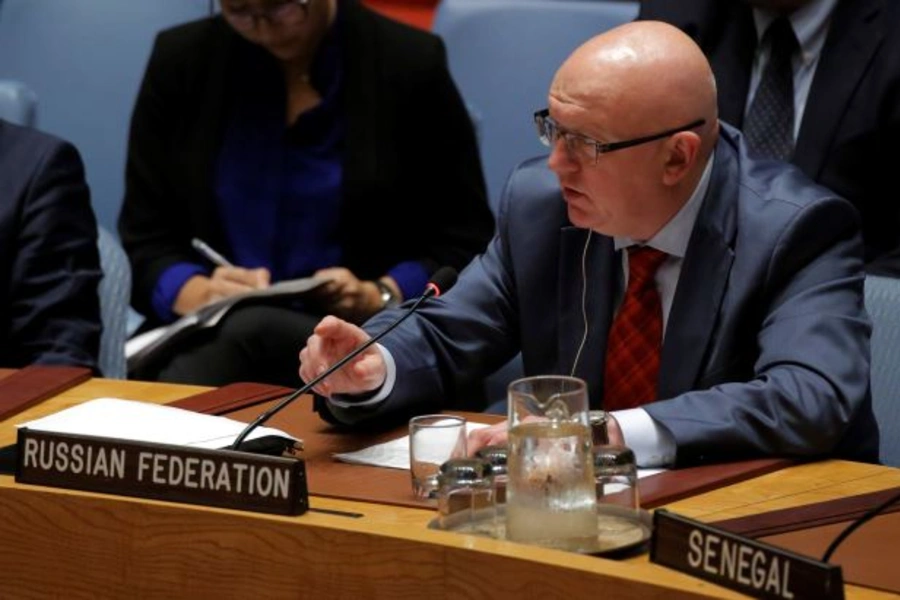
(429, 292)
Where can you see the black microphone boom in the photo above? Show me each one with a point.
(443, 279)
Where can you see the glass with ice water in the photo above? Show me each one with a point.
(551, 498)
(433, 439)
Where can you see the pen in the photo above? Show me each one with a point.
(210, 254)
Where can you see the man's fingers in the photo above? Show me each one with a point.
(495, 435)
(328, 326)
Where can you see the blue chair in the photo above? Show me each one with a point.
(503, 55)
(84, 59)
(18, 103)
(115, 297)
(883, 305)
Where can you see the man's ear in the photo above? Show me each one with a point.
(682, 151)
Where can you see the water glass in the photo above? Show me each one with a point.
(496, 457)
(615, 475)
(618, 500)
(433, 440)
(466, 497)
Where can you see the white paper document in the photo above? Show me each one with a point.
(393, 454)
(146, 422)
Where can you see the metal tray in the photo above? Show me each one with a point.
(619, 530)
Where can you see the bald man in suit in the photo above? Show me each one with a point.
(755, 341)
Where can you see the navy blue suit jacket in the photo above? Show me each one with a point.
(848, 139)
(49, 264)
(766, 351)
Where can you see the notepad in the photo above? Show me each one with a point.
(147, 347)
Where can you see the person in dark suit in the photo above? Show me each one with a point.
(296, 137)
(846, 86)
(50, 266)
(755, 295)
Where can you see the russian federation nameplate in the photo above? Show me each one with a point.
(740, 563)
(224, 478)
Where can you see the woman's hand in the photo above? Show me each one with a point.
(225, 282)
(346, 296)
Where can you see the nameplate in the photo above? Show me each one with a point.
(223, 478)
(733, 561)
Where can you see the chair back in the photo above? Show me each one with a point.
(503, 55)
(85, 59)
(883, 306)
(115, 297)
(18, 103)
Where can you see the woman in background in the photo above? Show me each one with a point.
(297, 137)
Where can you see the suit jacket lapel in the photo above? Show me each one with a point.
(856, 32)
(601, 269)
(701, 284)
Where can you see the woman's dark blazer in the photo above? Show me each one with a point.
(413, 188)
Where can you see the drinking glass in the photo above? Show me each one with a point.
(496, 457)
(551, 498)
(433, 439)
(618, 501)
(466, 497)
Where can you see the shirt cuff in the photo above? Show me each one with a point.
(411, 278)
(169, 284)
(652, 444)
(347, 401)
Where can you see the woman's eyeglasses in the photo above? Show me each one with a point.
(275, 12)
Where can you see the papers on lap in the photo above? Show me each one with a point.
(145, 348)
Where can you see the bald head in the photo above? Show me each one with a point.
(643, 76)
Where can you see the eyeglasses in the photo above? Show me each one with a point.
(242, 16)
(581, 147)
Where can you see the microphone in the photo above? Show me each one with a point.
(441, 281)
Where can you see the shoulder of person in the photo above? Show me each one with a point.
(186, 42)
(20, 145)
(411, 43)
(777, 196)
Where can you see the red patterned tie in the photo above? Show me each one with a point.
(635, 338)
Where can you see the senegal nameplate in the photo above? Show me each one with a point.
(238, 480)
(733, 561)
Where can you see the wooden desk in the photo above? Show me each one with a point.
(91, 545)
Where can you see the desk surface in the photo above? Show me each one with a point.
(97, 545)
